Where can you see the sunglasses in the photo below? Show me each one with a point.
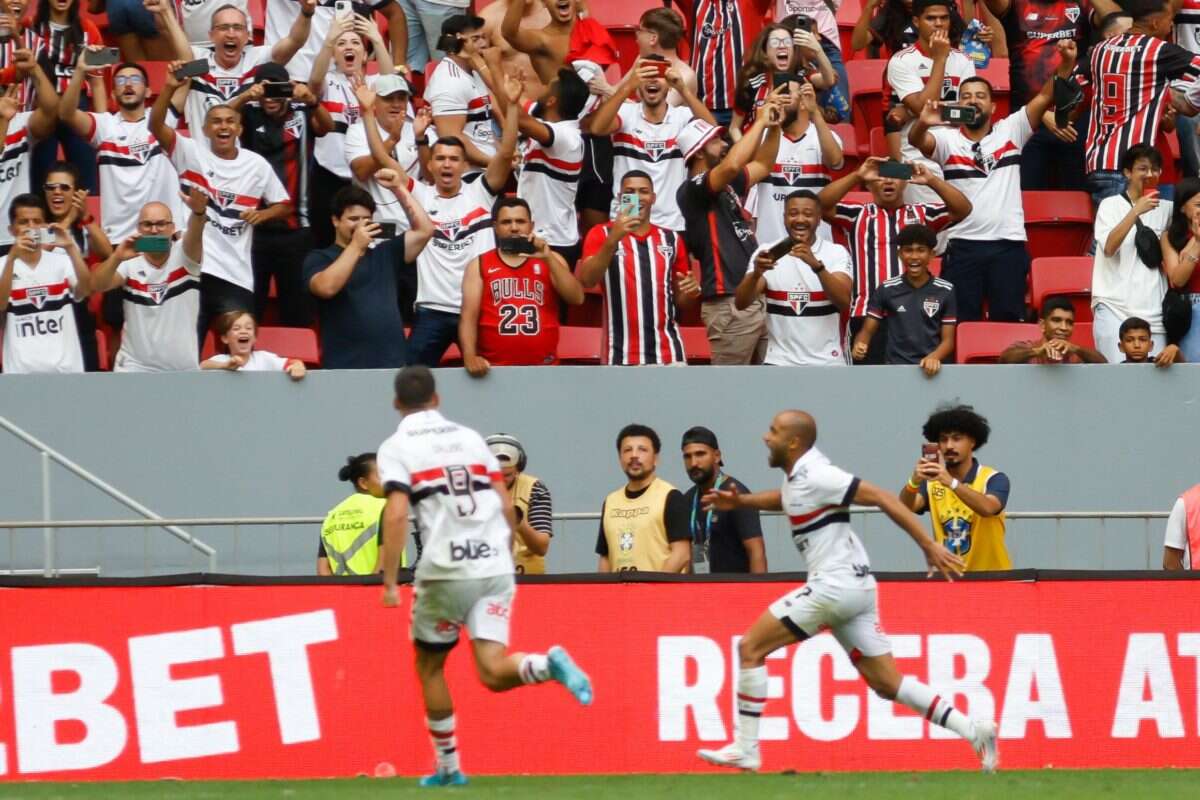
(58, 187)
(127, 80)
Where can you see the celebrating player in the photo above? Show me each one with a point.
(839, 595)
(465, 574)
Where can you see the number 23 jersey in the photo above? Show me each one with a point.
(518, 312)
(447, 471)
(816, 498)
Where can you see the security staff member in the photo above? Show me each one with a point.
(531, 502)
(351, 535)
(729, 541)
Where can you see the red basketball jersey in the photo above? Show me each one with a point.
(518, 313)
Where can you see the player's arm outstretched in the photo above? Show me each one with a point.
(731, 499)
(395, 531)
(936, 556)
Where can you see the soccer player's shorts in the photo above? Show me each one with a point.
(441, 608)
(849, 613)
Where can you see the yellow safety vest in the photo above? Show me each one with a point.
(350, 535)
(527, 562)
(634, 529)
(978, 540)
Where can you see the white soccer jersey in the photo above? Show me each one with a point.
(134, 170)
(447, 472)
(988, 172)
(281, 15)
(798, 166)
(259, 361)
(653, 149)
(816, 498)
(803, 324)
(233, 186)
(464, 232)
(387, 207)
(16, 163)
(907, 72)
(338, 99)
(39, 328)
(196, 17)
(218, 86)
(451, 90)
(549, 181)
(161, 307)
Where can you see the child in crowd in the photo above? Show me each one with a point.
(238, 332)
(1135, 343)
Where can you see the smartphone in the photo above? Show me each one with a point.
(45, 236)
(1150, 185)
(343, 8)
(102, 58)
(192, 69)
(630, 205)
(152, 244)
(659, 63)
(896, 169)
(515, 244)
(387, 230)
(929, 451)
(804, 23)
(277, 89)
(780, 249)
(783, 79)
(959, 115)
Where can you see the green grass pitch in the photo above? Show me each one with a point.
(1057, 784)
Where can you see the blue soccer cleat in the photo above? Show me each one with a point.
(564, 670)
(440, 778)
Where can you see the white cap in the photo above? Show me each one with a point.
(390, 84)
(695, 135)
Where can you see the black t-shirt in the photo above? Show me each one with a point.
(717, 232)
(361, 327)
(675, 519)
(286, 145)
(915, 316)
(725, 531)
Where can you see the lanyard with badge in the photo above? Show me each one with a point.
(700, 535)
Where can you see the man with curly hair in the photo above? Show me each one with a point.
(964, 498)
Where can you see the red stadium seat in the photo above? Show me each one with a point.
(1058, 223)
(452, 357)
(157, 72)
(878, 143)
(997, 74)
(866, 78)
(695, 344)
(626, 12)
(257, 16)
(298, 343)
(850, 152)
(578, 346)
(625, 38)
(1082, 335)
(1067, 277)
(983, 342)
(935, 266)
(847, 15)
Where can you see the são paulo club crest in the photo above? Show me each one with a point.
(450, 228)
(667, 251)
(931, 307)
(37, 295)
(626, 541)
(798, 300)
(958, 535)
(158, 291)
(225, 199)
(1073, 13)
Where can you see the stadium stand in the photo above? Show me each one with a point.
(1065, 276)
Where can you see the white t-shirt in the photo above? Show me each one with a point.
(134, 170)
(1122, 282)
(447, 471)
(803, 325)
(451, 90)
(817, 11)
(259, 361)
(281, 15)
(464, 232)
(907, 72)
(387, 207)
(989, 174)
(39, 327)
(233, 185)
(161, 307)
(550, 180)
(338, 99)
(16, 163)
(816, 497)
(1177, 531)
(219, 85)
(798, 166)
(196, 17)
(653, 149)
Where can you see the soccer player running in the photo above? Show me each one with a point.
(464, 577)
(840, 593)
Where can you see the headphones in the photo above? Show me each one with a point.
(510, 441)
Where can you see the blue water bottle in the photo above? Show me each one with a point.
(979, 53)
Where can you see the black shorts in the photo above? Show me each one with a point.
(596, 177)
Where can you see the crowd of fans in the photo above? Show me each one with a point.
(403, 177)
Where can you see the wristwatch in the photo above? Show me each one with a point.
(819, 268)
(954, 484)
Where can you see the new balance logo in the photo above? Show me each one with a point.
(472, 550)
(898, 310)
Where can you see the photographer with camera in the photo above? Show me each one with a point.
(986, 257)
(510, 296)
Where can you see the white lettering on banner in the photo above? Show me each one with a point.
(770, 729)
(676, 696)
(285, 640)
(944, 652)
(157, 697)
(882, 722)
(1147, 665)
(806, 691)
(1034, 667)
(1189, 647)
(37, 707)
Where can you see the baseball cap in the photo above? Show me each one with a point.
(272, 73)
(461, 23)
(699, 435)
(390, 84)
(695, 135)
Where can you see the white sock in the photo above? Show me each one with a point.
(534, 668)
(445, 744)
(751, 697)
(929, 704)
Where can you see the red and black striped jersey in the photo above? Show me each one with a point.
(721, 33)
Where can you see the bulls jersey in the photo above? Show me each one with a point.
(988, 172)
(447, 471)
(798, 166)
(16, 161)
(463, 232)
(234, 186)
(134, 170)
(39, 327)
(639, 296)
(550, 180)
(816, 497)
(652, 148)
(387, 207)
(452, 91)
(518, 312)
(219, 85)
(803, 325)
(161, 306)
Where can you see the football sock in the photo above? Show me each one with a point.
(441, 731)
(928, 703)
(751, 697)
(534, 668)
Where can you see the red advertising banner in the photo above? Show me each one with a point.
(314, 680)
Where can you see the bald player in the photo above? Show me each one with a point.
(839, 595)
